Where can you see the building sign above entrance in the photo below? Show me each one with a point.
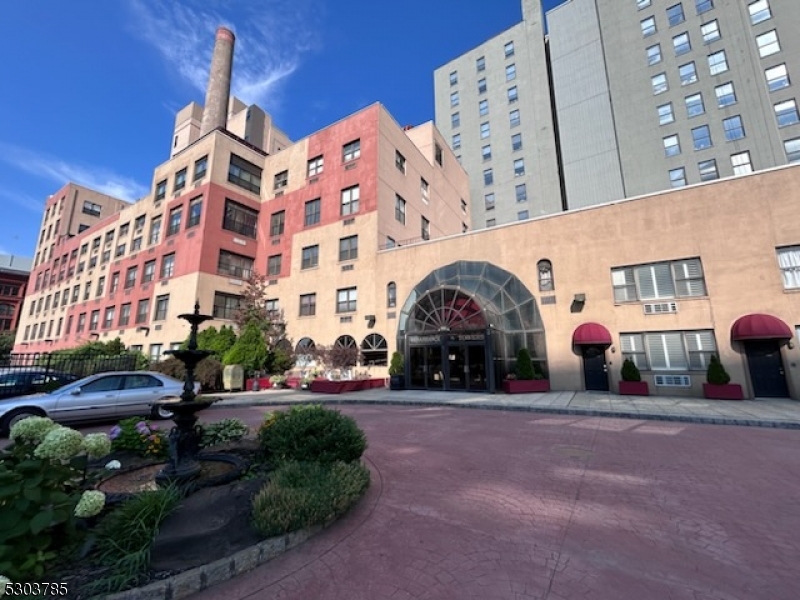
(449, 337)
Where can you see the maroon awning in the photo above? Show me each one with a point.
(760, 327)
(591, 334)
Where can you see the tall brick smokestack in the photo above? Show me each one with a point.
(215, 112)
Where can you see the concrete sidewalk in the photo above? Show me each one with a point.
(768, 412)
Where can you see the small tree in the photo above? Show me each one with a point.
(250, 350)
(629, 371)
(524, 368)
(6, 344)
(397, 364)
(218, 342)
(716, 374)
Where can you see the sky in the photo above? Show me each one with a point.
(90, 88)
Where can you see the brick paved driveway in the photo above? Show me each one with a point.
(507, 505)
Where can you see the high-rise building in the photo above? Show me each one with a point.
(14, 272)
(648, 95)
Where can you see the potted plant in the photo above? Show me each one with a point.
(277, 381)
(305, 383)
(397, 372)
(526, 377)
(632, 384)
(718, 385)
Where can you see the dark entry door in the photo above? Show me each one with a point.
(595, 372)
(766, 369)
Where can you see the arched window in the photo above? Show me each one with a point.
(545, 268)
(391, 294)
(305, 352)
(345, 353)
(374, 350)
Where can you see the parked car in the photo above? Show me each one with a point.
(18, 381)
(104, 396)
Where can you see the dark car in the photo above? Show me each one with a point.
(31, 380)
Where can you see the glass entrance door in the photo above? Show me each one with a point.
(458, 370)
(477, 368)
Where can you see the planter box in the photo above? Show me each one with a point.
(325, 386)
(725, 391)
(634, 388)
(526, 386)
(397, 382)
(263, 384)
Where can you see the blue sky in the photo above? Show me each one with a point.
(90, 88)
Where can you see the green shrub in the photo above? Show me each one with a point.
(140, 436)
(629, 371)
(300, 495)
(397, 366)
(524, 368)
(170, 366)
(221, 432)
(209, 373)
(311, 433)
(250, 350)
(716, 373)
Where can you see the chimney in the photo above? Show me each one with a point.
(215, 111)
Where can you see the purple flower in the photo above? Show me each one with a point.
(141, 427)
(115, 431)
(154, 427)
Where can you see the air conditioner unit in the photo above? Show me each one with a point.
(660, 308)
(673, 381)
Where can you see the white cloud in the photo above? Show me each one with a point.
(271, 38)
(61, 172)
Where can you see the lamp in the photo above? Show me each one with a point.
(790, 345)
(370, 321)
(144, 328)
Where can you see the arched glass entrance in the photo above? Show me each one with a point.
(462, 326)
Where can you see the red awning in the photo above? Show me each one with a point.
(591, 334)
(760, 327)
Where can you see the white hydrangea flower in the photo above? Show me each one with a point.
(62, 443)
(3, 581)
(31, 430)
(90, 504)
(113, 465)
(96, 445)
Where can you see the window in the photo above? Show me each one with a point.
(168, 265)
(225, 305)
(161, 192)
(234, 265)
(694, 105)
(659, 83)
(312, 212)
(726, 95)
(545, 269)
(665, 114)
(768, 43)
(162, 305)
(105, 257)
(310, 257)
(348, 248)
(120, 251)
(244, 174)
(200, 168)
(453, 99)
(92, 209)
(351, 150)
(734, 130)
(149, 271)
(315, 166)
(486, 152)
(400, 162)
(155, 231)
(717, 62)
(488, 177)
(346, 300)
(654, 54)
(124, 314)
(277, 221)
(777, 77)
(513, 118)
(482, 86)
(669, 351)
(511, 72)
(519, 167)
(390, 242)
(677, 177)
(681, 44)
(759, 11)
(521, 192)
(708, 170)
(480, 64)
(154, 353)
(488, 201)
(281, 180)
(648, 26)
(688, 73)
(453, 77)
(703, 6)
(399, 209)
(455, 119)
(195, 211)
(391, 294)
(513, 95)
(789, 263)
(180, 180)
(308, 305)
(96, 243)
(349, 200)
(491, 222)
(741, 163)
(424, 190)
(675, 14)
(130, 277)
(175, 220)
(94, 320)
(86, 293)
(701, 136)
(710, 31)
(516, 142)
(792, 148)
(81, 323)
(642, 4)
(659, 281)
(522, 215)
(672, 146)
(509, 49)
(425, 229)
(483, 108)
(274, 265)
(786, 113)
(240, 219)
(75, 293)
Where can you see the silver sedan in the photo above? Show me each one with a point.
(101, 397)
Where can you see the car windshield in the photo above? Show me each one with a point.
(72, 386)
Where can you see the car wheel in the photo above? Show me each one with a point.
(159, 412)
(16, 415)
